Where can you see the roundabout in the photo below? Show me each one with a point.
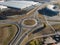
(31, 22)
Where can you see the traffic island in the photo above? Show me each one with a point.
(31, 22)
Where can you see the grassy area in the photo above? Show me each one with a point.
(47, 30)
(10, 30)
(57, 27)
(29, 22)
(35, 42)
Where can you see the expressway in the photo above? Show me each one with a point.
(18, 24)
(18, 40)
(25, 34)
(22, 36)
(28, 32)
(19, 36)
(39, 36)
(17, 33)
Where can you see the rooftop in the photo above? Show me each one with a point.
(48, 10)
(18, 4)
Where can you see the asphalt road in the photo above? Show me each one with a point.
(19, 37)
(18, 31)
(17, 34)
(25, 34)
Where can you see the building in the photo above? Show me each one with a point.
(49, 10)
(19, 4)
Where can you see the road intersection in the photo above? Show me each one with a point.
(19, 37)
